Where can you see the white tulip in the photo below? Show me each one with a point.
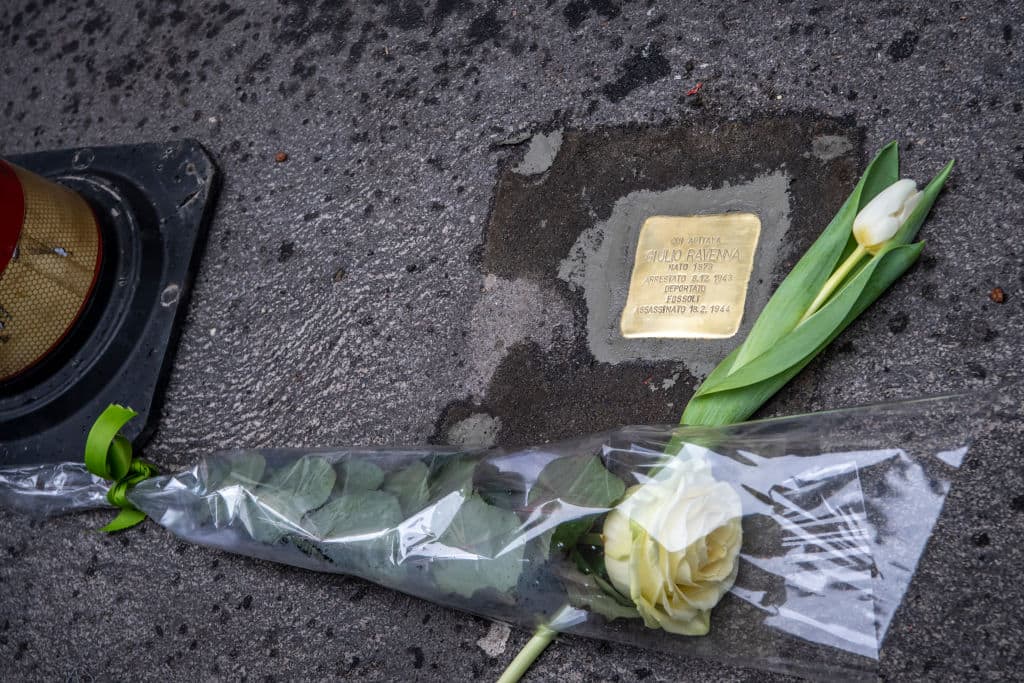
(873, 227)
(881, 219)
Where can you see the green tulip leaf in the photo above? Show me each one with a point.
(908, 231)
(800, 342)
(736, 405)
(778, 347)
(894, 263)
(796, 292)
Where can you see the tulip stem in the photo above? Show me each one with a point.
(542, 637)
(833, 282)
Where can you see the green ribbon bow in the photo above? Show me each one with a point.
(109, 455)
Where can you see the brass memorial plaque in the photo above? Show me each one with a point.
(690, 276)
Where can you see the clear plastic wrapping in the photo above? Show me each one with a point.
(784, 544)
(49, 490)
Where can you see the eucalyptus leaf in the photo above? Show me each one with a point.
(359, 533)
(306, 483)
(309, 548)
(580, 480)
(360, 475)
(275, 508)
(567, 534)
(269, 514)
(454, 475)
(247, 468)
(226, 473)
(214, 470)
(502, 486)
(588, 591)
(234, 467)
(356, 513)
(410, 486)
(477, 539)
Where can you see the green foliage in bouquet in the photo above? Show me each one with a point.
(482, 530)
(577, 480)
(348, 513)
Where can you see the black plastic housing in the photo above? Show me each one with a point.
(153, 203)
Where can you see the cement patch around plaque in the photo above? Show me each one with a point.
(600, 263)
(544, 357)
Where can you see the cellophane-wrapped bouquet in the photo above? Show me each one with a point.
(784, 544)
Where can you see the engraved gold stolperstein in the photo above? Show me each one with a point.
(690, 276)
(50, 253)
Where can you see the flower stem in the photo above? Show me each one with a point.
(542, 637)
(833, 282)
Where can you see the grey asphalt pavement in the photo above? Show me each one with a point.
(371, 288)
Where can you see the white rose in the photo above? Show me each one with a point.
(672, 544)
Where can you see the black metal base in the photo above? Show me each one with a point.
(153, 203)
